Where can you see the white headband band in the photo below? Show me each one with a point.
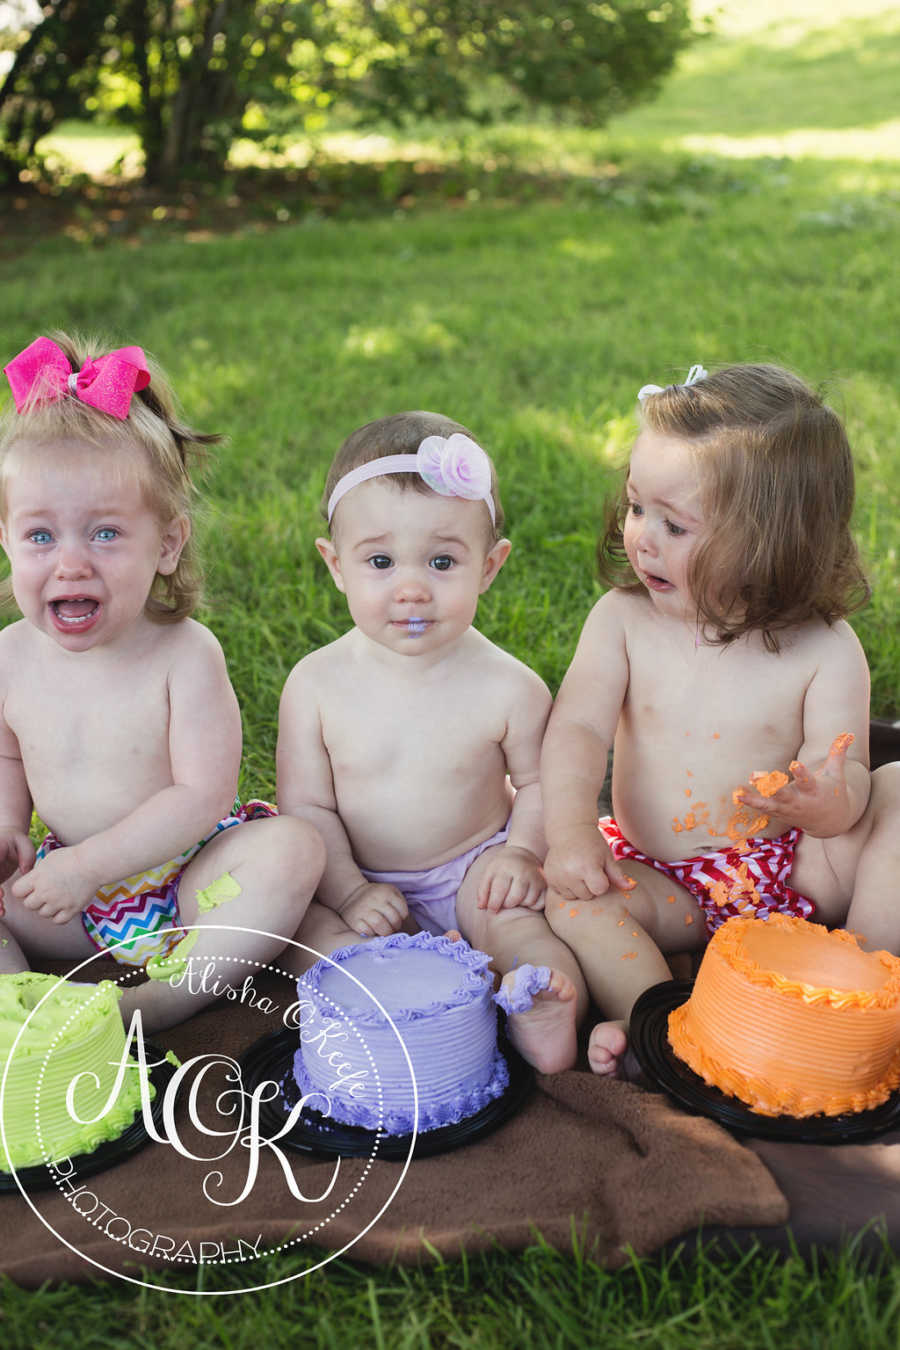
(453, 466)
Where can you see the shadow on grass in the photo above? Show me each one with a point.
(92, 211)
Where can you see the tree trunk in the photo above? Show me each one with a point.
(206, 95)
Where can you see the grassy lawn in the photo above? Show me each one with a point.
(751, 213)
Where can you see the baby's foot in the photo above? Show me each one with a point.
(606, 1047)
(544, 1034)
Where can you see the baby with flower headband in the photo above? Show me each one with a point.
(118, 722)
(720, 666)
(412, 743)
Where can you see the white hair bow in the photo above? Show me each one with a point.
(695, 374)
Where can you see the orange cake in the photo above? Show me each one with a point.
(791, 1019)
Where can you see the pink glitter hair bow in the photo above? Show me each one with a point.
(42, 373)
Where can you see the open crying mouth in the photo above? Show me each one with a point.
(74, 611)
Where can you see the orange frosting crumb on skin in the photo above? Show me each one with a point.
(670, 899)
(767, 784)
(629, 956)
(688, 920)
(697, 816)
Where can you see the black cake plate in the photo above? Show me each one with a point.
(39, 1177)
(650, 1042)
(272, 1058)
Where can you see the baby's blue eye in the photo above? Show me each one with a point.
(106, 534)
(442, 563)
(674, 529)
(380, 560)
(40, 537)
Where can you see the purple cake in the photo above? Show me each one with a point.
(438, 993)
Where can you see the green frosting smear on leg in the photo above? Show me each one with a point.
(164, 967)
(217, 892)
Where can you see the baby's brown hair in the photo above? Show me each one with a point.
(401, 434)
(776, 485)
(165, 445)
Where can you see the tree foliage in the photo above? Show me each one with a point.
(192, 74)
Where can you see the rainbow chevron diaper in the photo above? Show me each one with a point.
(141, 911)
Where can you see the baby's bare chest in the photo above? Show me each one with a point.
(80, 723)
(407, 734)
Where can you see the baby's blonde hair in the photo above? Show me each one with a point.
(776, 485)
(401, 434)
(152, 433)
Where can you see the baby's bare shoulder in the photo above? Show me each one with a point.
(188, 645)
(817, 646)
(486, 659)
(13, 639)
(318, 670)
(14, 642)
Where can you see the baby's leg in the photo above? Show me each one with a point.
(323, 931)
(25, 935)
(547, 1034)
(257, 878)
(618, 940)
(853, 878)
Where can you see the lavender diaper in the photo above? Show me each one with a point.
(431, 893)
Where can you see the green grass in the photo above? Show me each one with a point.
(750, 213)
(714, 1299)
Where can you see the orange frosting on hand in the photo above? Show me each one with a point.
(767, 784)
(792, 1019)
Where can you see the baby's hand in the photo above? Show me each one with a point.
(16, 854)
(58, 888)
(512, 877)
(815, 802)
(374, 909)
(579, 865)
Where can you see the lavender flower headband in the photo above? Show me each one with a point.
(453, 466)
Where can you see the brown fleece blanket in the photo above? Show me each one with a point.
(612, 1164)
(615, 1164)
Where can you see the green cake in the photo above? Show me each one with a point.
(78, 1028)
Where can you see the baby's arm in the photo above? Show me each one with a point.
(204, 748)
(513, 874)
(16, 849)
(306, 789)
(830, 781)
(582, 725)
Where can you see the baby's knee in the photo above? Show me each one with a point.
(885, 791)
(298, 849)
